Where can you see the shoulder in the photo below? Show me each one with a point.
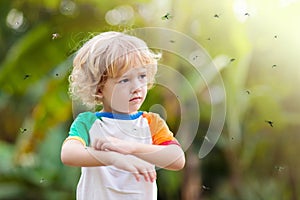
(151, 117)
(87, 117)
(156, 123)
(161, 134)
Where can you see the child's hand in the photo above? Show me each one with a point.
(136, 166)
(114, 144)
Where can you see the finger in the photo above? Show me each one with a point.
(96, 144)
(149, 175)
(152, 175)
(103, 145)
(146, 175)
(137, 176)
(107, 146)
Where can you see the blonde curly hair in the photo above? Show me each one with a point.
(108, 55)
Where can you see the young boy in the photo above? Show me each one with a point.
(117, 147)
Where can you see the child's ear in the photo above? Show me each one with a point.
(99, 93)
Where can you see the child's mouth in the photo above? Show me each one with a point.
(135, 99)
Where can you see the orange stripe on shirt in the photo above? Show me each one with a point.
(161, 135)
(75, 138)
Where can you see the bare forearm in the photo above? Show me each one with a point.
(165, 156)
(73, 153)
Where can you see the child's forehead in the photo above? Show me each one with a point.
(132, 70)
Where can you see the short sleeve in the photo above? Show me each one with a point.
(161, 135)
(80, 127)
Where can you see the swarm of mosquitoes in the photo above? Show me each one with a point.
(167, 16)
(54, 37)
(27, 76)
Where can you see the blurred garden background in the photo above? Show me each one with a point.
(257, 43)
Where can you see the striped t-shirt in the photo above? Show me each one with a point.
(109, 182)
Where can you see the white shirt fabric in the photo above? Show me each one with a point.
(109, 182)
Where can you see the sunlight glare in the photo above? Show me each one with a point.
(285, 3)
(119, 15)
(14, 19)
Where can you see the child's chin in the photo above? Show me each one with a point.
(134, 109)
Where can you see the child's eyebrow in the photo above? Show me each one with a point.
(138, 71)
(123, 76)
(142, 69)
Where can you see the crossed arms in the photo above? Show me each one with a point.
(134, 157)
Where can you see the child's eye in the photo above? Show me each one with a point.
(142, 76)
(125, 80)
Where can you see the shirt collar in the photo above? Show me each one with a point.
(119, 116)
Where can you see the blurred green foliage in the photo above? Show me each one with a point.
(257, 43)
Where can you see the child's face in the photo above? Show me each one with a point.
(126, 93)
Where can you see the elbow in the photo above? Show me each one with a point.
(71, 152)
(179, 164)
(182, 163)
(65, 157)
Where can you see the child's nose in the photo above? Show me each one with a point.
(137, 86)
